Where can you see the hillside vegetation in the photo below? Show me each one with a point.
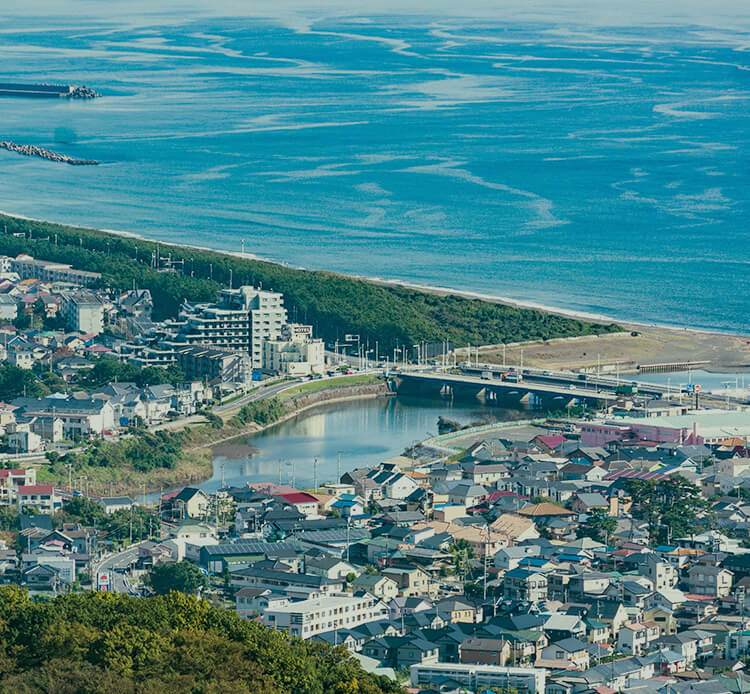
(105, 643)
(334, 304)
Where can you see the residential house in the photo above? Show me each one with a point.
(525, 584)
(709, 580)
(487, 651)
(572, 650)
(382, 587)
(637, 638)
(412, 581)
(330, 567)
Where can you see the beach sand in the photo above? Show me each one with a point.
(623, 351)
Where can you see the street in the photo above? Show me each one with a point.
(118, 582)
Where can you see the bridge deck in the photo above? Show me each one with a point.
(509, 386)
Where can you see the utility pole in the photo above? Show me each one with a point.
(315, 474)
(486, 554)
(339, 467)
(348, 530)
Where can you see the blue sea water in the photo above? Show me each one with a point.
(540, 156)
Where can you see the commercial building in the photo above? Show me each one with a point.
(699, 427)
(295, 352)
(307, 618)
(477, 677)
(27, 267)
(241, 320)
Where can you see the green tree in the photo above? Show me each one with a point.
(672, 507)
(599, 526)
(22, 321)
(182, 576)
(14, 382)
(334, 304)
(463, 554)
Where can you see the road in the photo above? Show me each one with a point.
(119, 582)
(572, 390)
(261, 393)
(265, 392)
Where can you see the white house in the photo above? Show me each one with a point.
(636, 638)
(307, 618)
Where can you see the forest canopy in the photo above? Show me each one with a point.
(107, 643)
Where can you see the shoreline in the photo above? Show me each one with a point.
(425, 288)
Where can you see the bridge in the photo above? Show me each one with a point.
(494, 390)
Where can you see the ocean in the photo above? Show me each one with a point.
(596, 163)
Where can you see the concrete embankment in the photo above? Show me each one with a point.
(296, 406)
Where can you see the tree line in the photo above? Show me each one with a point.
(334, 304)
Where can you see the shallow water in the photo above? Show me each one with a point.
(363, 433)
(528, 151)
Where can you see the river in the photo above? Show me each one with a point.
(363, 433)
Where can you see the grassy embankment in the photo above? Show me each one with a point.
(183, 456)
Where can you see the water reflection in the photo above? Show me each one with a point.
(362, 433)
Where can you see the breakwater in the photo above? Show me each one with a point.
(33, 151)
(64, 91)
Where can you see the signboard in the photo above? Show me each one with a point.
(351, 338)
(103, 581)
(693, 388)
(257, 375)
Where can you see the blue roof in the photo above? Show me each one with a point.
(665, 548)
(571, 557)
(532, 561)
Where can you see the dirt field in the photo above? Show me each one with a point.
(650, 346)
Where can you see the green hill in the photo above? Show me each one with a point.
(104, 643)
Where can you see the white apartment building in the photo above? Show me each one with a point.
(83, 312)
(43, 497)
(11, 480)
(241, 320)
(318, 615)
(295, 352)
(27, 267)
(636, 638)
(477, 677)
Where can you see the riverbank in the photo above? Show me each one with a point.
(202, 444)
